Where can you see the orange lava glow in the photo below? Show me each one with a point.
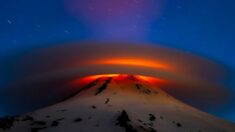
(134, 62)
(152, 79)
(86, 80)
(105, 75)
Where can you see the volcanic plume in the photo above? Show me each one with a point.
(117, 103)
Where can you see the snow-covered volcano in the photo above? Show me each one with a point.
(121, 103)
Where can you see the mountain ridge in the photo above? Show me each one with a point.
(117, 103)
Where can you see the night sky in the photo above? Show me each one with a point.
(202, 27)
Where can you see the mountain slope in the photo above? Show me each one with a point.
(117, 104)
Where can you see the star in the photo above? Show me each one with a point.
(9, 21)
(66, 31)
(179, 7)
(38, 26)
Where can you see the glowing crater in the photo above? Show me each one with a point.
(124, 77)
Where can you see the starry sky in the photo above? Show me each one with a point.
(202, 27)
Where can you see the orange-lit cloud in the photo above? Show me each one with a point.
(184, 75)
(133, 62)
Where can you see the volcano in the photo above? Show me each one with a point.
(117, 103)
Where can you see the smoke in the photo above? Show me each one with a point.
(115, 19)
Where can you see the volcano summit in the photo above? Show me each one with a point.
(117, 103)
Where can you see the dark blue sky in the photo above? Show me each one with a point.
(202, 27)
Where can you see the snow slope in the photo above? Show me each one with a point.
(117, 104)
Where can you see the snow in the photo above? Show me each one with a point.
(121, 105)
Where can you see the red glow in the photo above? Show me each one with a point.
(105, 75)
(86, 80)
